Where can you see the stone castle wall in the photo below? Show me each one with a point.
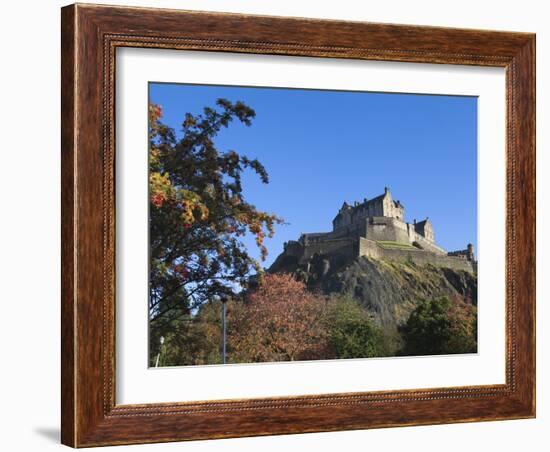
(394, 230)
(386, 229)
(350, 248)
(425, 244)
(347, 247)
(371, 249)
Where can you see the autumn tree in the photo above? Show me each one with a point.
(198, 215)
(441, 326)
(278, 321)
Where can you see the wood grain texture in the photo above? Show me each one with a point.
(90, 36)
(68, 245)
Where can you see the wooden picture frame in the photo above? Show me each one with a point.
(90, 36)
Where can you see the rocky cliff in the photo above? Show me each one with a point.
(389, 289)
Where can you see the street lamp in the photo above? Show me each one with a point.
(160, 350)
(223, 299)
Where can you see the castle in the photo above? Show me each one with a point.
(375, 228)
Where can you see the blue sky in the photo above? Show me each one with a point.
(323, 147)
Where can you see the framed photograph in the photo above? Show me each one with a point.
(282, 225)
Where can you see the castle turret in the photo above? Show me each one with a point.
(470, 252)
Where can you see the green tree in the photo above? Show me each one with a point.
(192, 340)
(352, 332)
(441, 326)
(198, 217)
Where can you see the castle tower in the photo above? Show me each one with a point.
(470, 252)
(425, 229)
(391, 208)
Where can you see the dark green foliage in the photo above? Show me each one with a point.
(441, 326)
(191, 340)
(352, 332)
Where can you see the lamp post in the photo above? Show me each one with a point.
(160, 350)
(223, 299)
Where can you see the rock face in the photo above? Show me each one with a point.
(390, 290)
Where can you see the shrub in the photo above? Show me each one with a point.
(352, 332)
(441, 326)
